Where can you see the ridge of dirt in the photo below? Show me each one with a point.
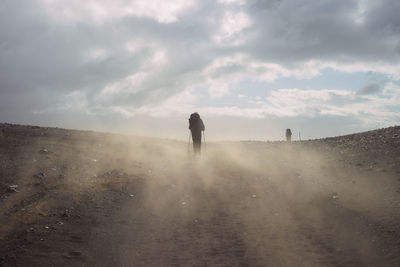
(377, 149)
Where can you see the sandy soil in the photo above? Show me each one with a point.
(74, 198)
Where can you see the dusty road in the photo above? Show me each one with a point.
(89, 199)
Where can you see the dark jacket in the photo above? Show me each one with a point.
(196, 125)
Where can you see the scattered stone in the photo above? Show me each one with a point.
(115, 173)
(12, 188)
(73, 254)
(43, 214)
(44, 151)
(39, 175)
(65, 214)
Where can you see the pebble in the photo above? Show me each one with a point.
(12, 188)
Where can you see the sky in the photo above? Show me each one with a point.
(251, 68)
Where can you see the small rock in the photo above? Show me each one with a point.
(65, 214)
(12, 188)
(44, 151)
(39, 175)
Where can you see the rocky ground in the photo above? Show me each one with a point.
(78, 198)
(376, 150)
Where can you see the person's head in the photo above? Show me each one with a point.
(195, 115)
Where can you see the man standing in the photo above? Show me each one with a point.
(288, 135)
(196, 126)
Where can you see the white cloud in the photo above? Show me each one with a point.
(239, 66)
(180, 104)
(390, 69)
(231, 25)
(98, 54)
(233, 111)
(129, 85)
(218, 89)
(295, 102)
(99, 11)
(236, 2)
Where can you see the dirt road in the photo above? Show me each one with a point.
(88, 199)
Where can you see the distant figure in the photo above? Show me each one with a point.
(196, 125)
(288, 135)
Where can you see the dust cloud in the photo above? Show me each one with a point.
(137, 201)
(253, 203)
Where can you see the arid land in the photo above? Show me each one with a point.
(80, 198)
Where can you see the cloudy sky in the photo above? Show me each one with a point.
(251, 68)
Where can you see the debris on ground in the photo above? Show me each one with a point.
(39, 175)
(115, 173)
(73, 254)
(12, 188)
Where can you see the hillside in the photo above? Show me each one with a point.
(80, 198)
(374, 150)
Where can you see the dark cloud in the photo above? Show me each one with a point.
(295, 31)
(369, 89)
(384, 18)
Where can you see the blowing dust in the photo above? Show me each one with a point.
(136, 201)
(256, 204)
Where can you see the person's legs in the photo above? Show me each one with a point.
(196, 145)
